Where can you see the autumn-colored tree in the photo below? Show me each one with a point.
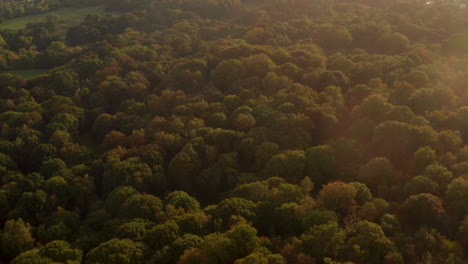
(339, 197)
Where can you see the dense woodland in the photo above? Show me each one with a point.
(237, 131)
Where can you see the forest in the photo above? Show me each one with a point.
(235, 131)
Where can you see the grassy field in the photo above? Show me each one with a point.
(70, 16)
(29, 74)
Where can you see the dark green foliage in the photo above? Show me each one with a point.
(161, 235)
(180, 199)
(321, 164)
(456, 44)
(117, 197)
(41, 153)
(226, 73)
(457, 193)
(16, 238)
(60, 251)
(134, 230)
(235, 207)
(244, 239)
(363, 194)
(143, 206)
(132, 172)
(323, 240)
(368, 243)
(116, 251)
(51, 167)
(422, 209)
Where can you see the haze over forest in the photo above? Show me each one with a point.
(233, 131)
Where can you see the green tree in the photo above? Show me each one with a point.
(16, 238)
(456, 197)
(458, 123)
(61, 251)
(417, 78)
(58, 231)
(119, 251)
(463, 232)
(449, 141)
(64, 82)
(422, 209)
(58, 186)
(457, 44)
(307, 185)
(439, 174)
(321, 164)
(323, 240)
(318, 217)
(227, 72)
(423, 101)
(219, 248)
(393, 43)
(133, 172)
(244, 122)
(235, 206)
(398, 140)
(290, 165)
(180, 199)
(161, 235)
(421, 184)
(375, 107)
(117, 197)
(51, 167)
(321, 80)
(183, 167)
(103, 124)
(334, 37)
(6, 161)
(145, 206)
(133, 230)
(196, 223)
(371, 242)
(30, 257)
(244, 239)
(262, 256)
(258, 65)
(41, 153)
(255, 191)
(339, 197)
(378, 174)
(264, 153)
(422, 158)
(172, 253)
(363, 194)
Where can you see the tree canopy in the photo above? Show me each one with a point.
(241, 131)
